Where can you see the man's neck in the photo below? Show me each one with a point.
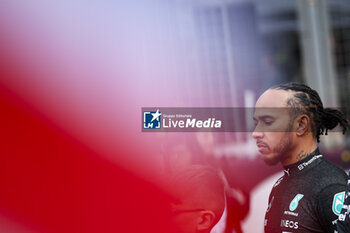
(299, 153)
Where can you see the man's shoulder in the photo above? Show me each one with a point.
(326, 174)
(332, 172)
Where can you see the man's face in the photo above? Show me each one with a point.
(273, 127)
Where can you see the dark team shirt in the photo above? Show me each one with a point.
(308, 198)
(343, 224)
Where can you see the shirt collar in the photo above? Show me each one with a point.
(302, 164)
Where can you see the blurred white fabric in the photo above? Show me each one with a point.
(254, 223)
(220, 226)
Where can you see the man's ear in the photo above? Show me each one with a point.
(302, 124)
(206, 220)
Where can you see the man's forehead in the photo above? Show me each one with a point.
(273, 99)
(268, 113)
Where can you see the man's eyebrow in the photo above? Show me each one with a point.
(264, 117)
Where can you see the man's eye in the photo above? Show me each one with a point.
(268, 122)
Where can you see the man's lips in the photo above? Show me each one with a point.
(261, 145)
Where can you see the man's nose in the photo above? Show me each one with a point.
(256, 134)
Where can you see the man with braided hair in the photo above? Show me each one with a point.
(289, 121)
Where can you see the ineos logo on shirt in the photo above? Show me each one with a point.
(289, 224)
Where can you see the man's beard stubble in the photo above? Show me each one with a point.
(281, 150)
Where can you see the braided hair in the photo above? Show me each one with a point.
(307, 101)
